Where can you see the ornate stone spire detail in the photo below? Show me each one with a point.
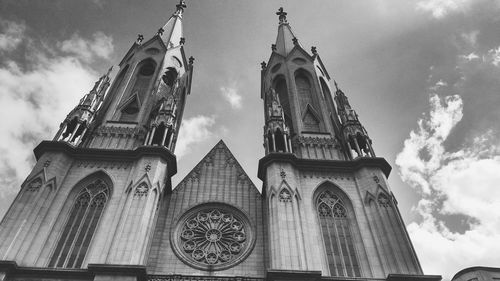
(76, 124)
(276, 133)
(354, 134)
(281, 15)
(171, 32)
(285, 40)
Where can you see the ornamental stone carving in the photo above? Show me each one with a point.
(35, 184)
(213, 237)
(285, 195)
(383, 201)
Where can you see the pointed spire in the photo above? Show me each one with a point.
(171, 32)
(286, 40)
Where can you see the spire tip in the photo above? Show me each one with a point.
(282, 15)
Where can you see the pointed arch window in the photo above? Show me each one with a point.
(337, 235)
(81, 225)
(143, 80)
(304, 90)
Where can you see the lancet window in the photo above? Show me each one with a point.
(142, 82)
(282, 91)
(81, 225)
(304, 90)
(337, 235)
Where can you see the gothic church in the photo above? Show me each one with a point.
(99, 204)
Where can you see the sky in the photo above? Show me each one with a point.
(423, 75)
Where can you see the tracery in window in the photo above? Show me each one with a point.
(213, 237)
(337, 235)
(80, 226)
(141, 190)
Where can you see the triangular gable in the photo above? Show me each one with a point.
(298, 49)
(221, 158)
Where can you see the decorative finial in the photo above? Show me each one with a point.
(109, 71)
(295, 40)
(314, 51)
(182, 41)
(282, 15)
(263, 65)
(181, 6)
(140, 38)
(273, 47)
(160, 31)
(336, 86)
(191, 60)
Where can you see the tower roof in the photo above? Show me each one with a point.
(286, 40)
(171, 32)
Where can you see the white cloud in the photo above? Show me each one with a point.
(193, 130)
(441, 8)
(12, 34)
(231, 95)
(427, 140)
(471, 56)
(101, 46)
(35, 98)
(463, 182)
(494, 56)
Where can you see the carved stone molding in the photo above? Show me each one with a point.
(102, 164)
(107, 131)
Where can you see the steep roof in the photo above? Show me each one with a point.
(219, 166)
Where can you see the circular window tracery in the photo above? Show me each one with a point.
(213, 237)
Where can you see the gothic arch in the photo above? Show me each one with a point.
(338, 227)
(143, 78)
(82, 213)
(280, 86)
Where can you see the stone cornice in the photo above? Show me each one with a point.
(84, 153)
(321, 164)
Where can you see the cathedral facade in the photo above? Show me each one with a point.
(99, 203)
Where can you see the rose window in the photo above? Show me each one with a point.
(214, 237)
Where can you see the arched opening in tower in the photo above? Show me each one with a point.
(282, 90)
(71, 126)
(279, 139)
(170, 76)
(270, 142)
(158, 136)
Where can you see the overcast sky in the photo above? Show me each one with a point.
(424, 76)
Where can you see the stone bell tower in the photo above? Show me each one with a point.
(328, 207)
(90, 203)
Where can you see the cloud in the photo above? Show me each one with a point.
(193, 130)
(461, 183)
(101, 46)
(231, 95)
(494, 56)
(12, 34)
(35, 95)
(441, 8)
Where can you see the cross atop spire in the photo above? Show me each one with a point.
(282, 15)
(181, 6)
